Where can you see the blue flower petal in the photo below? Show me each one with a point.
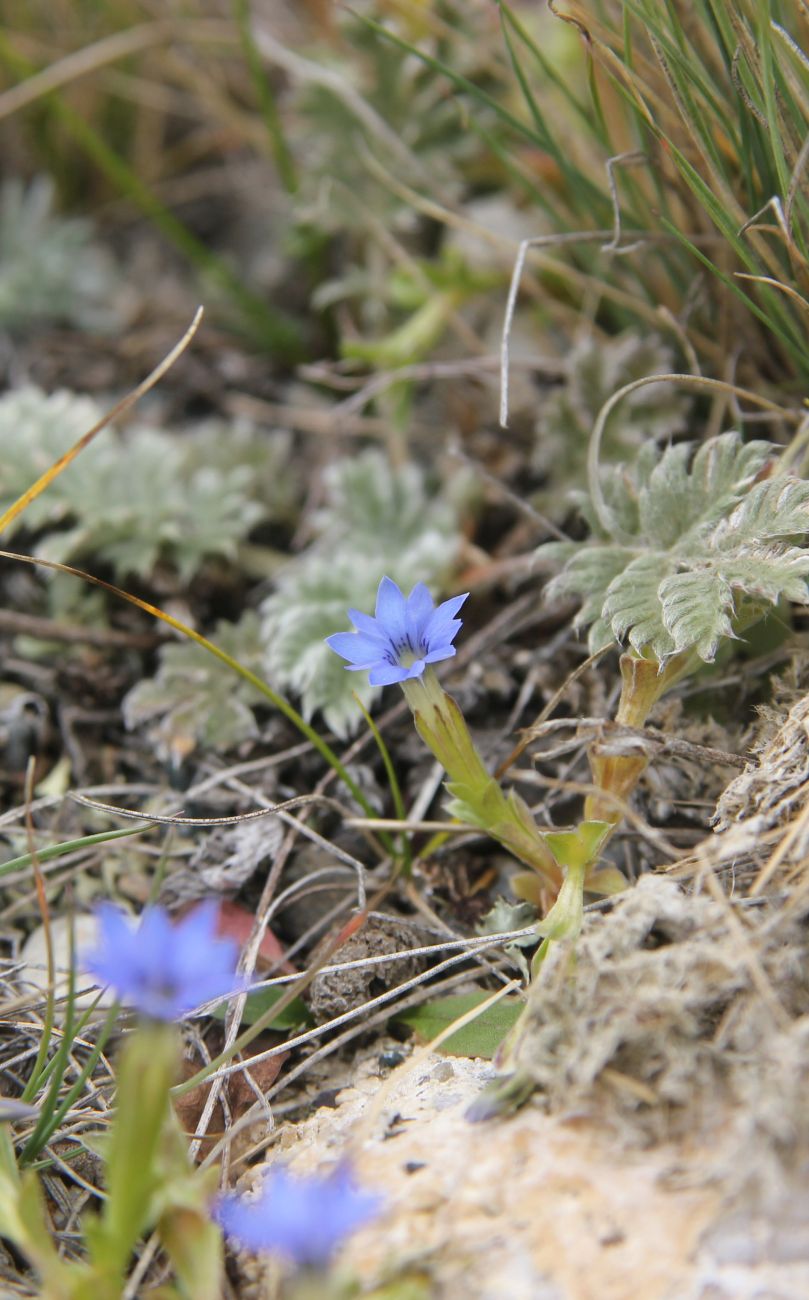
(161, 969)
(306, 1219)
(443, 637)
(405, 634)
(365, 623)
(114, 930)
(391, 611)
(452, 605)
(386, 674)
(202, 963)
(419, 608)
(356, 647)
(444, 615)
(443, 652)
(194, 937)
(155, 931)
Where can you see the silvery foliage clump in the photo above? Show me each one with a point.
(377, 520)
(594, 370)
(142, 496)
(195, 699)
(51, 268)
(687, 547)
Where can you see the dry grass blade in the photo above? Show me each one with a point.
(110, 49)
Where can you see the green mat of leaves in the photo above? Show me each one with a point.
(481, 1037)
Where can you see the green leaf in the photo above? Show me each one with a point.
(697, 610)
(777, 507)
(194, 1245)
(678, 497)
(51, 267)
(595, 369)
(181, 1209)
(480, 1038)
(769, 573)
(632, 605)
(588, 573)
(703, 529)
(579, 848)
(723, 472)
(599, 369)
(295, 1014)
(667, 507)
(372, 504)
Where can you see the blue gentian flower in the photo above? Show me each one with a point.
(305, 1219)
(406, 634)
(164, 970)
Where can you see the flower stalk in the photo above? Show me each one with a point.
(400, 644)
(477, 798)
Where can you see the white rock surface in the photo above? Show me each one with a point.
(531, 1207)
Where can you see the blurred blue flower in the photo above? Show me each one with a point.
(162, 969)
(406, 634)
(306, 1219)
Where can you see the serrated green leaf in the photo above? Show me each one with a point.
(372, 504)
(702, 528)
(557, 552)
(620, 491)
(770, 573)
(632, 605)
(666, 502)
(35, 430)
(480, 1038)
(697, 609)
(777, 507)
(682, 494)
(724, 470)
(600, 636)
(588, 573)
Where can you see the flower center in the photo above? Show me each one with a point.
(407, 654)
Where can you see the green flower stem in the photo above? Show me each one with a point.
(146, 1070)
(564, 920)
(8, 1160)
(476, 796)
